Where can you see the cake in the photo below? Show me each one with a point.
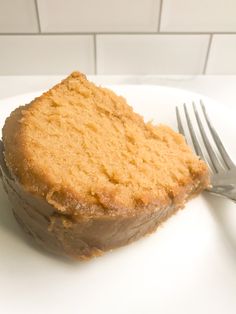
(85, 174)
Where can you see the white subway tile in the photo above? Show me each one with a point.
(99, 16)
(46, 54)
(222, 58)
(151, 54)
(198, 16)
(18, 16)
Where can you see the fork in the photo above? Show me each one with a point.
(222, 168)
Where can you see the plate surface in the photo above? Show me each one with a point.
(187, 266)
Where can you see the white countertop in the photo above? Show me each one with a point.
(220, 88)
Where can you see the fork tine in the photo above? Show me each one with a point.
(215, 162)
(180, 125)
(228, 162)
(193, 135)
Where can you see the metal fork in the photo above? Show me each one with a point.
(222, 168)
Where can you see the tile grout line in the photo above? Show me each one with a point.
(117, 33)
(37, 15)
(95, 53)
(207, 54)
(159, 17)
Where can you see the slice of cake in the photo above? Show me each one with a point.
(85, 174)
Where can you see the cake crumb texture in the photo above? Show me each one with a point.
(82, 148)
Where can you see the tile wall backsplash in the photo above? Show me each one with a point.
(141, 54)
(99, 15)
(50, 54)
(222, 58)
(198, 16)
(117, 36)
(18, 16)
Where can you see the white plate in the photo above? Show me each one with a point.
(187, 266)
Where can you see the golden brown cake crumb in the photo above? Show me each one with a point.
(84, 151)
